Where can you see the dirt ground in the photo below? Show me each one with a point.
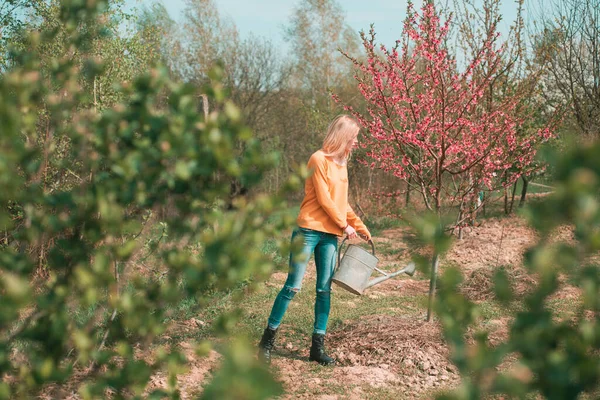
(383, 353)
(406, 354)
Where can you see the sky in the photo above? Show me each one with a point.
(266, 18)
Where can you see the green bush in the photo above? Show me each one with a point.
(131, 159)
(555, 357)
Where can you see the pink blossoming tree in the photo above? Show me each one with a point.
(430, 124)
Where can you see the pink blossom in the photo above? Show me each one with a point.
(419, 104)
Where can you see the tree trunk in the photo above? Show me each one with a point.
(434, 270)
(484, 205)
(407, 202)
(505, 201)
(205, 105)
(459, 221)
(436, 257)
(473, 210)
(512, 199)
(95, 95)
(523, 192)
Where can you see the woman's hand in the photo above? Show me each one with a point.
(350, 232)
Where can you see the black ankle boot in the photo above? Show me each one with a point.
(266, 345)
(317, 350)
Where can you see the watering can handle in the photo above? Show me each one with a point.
(340, 252)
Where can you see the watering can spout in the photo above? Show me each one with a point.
(355, 269)
(408, 270)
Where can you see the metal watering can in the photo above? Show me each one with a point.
(356, 266)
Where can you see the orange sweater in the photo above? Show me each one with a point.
(325, 206)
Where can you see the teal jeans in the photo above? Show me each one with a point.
(324, 246)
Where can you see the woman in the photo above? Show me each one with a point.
(324, 215)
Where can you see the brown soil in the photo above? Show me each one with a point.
(404, 354)
(399, 350)
(191, 382)
(492, 244)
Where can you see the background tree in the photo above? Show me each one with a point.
(256, 79)
(316, 30)
(566, 41)
(11, 23)
(436, 126)
(154, 25)
(127, 54)
(279, 96)
(514, 74)
(205, 37)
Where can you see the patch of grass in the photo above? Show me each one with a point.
(377, 225)
(392, 392)
(186, 309)
(491, 310)
(270, 248)
(297, 325)
(387, 249)
(435, 393)
(319, 390)
(564, 308)
(83, 316)
(348, 307)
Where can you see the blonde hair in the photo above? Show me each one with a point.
(339, 133)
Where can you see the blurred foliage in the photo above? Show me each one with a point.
(147, 148)
(557, 358)
(242, 377)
